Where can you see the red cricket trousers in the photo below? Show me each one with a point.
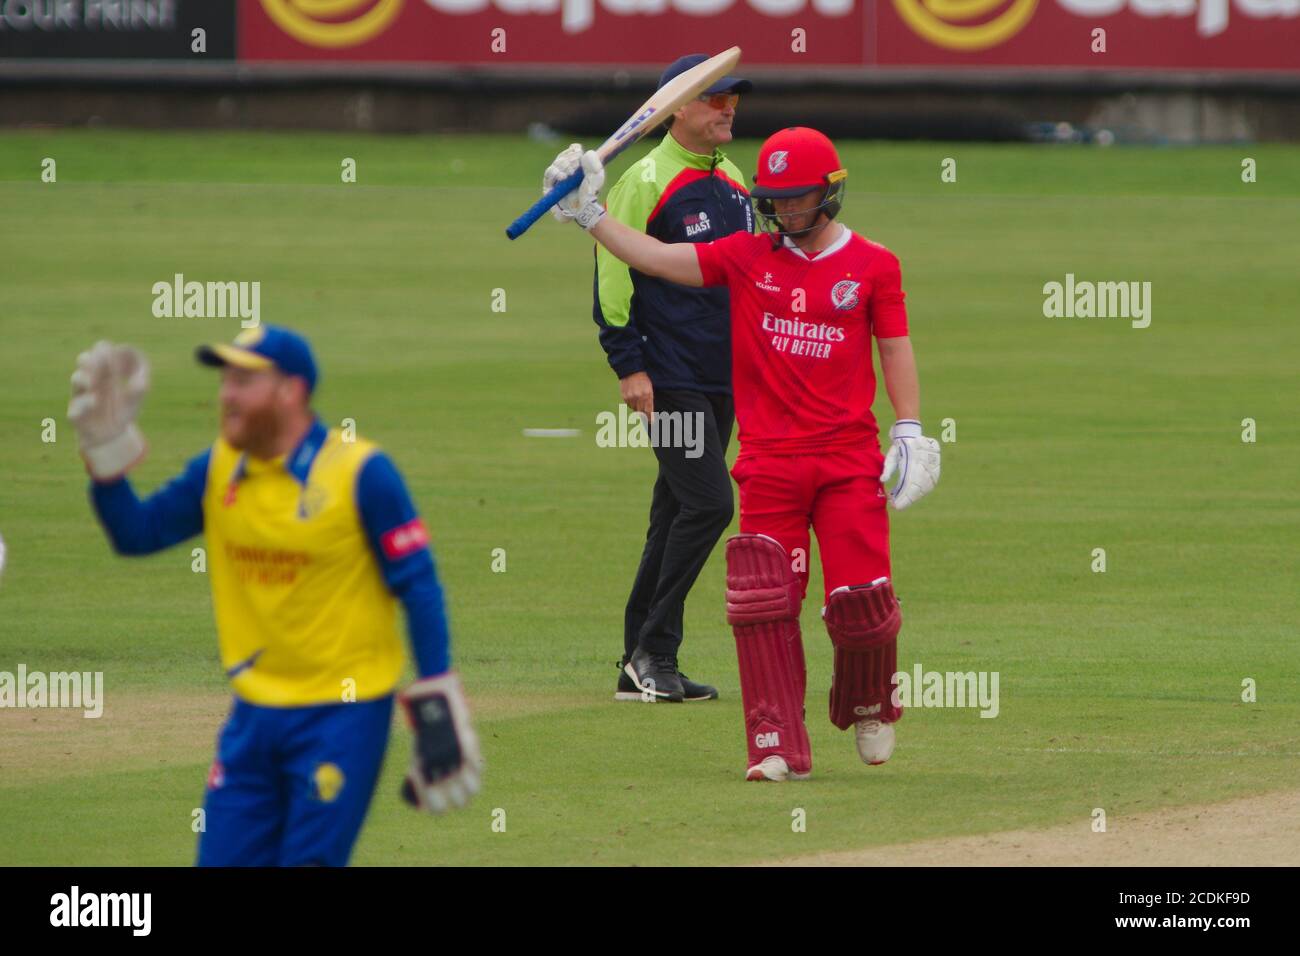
(837, 492)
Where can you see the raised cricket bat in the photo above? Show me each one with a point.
(676, 94)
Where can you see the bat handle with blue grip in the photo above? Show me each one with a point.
(539, 208)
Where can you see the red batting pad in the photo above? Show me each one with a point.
(763, 601)
(863, 623)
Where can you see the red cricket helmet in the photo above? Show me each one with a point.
(793, 162)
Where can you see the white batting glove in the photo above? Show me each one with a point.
(564, 166)
(916, 458)
(445, 763)
(580, 205)
(107, 388)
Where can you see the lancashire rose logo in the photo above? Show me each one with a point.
(333, 23)
(845, 294)
(966, 24)
(776, 163)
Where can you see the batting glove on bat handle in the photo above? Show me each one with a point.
(590, 211)
(915, 458)
(108, 387)
(445, 762)
(566, 169)
(577, 177)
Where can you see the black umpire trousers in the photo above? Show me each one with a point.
(691, 507)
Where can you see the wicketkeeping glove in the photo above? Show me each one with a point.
(581, 204)
(107, 388)
(916, 458)
(444, 769)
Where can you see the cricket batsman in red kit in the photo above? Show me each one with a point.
(807, 298)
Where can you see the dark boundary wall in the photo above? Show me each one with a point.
(884, 104)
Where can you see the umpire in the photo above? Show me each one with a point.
(671, 348)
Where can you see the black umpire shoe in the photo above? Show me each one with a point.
(655, 675)
(691, 691)
(626, 686)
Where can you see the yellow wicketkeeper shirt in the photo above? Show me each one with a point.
(307, 556)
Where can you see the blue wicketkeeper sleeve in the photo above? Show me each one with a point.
(167, 517)
(401, 546)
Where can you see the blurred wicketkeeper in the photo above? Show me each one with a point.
(312, 542)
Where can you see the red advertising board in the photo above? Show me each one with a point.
(517, 32)
(1161, 34)
(1153, 34)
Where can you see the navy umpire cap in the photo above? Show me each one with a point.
(264, 346)
(726, 84)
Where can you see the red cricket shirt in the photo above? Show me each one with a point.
(801, 330)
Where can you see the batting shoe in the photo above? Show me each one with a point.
(691, 691)
(655, 677)
(775, 769)
(875, 741)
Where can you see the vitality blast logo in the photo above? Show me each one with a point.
(697, 223)
(103, 909)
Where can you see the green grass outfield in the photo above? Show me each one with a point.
(1119, 690)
